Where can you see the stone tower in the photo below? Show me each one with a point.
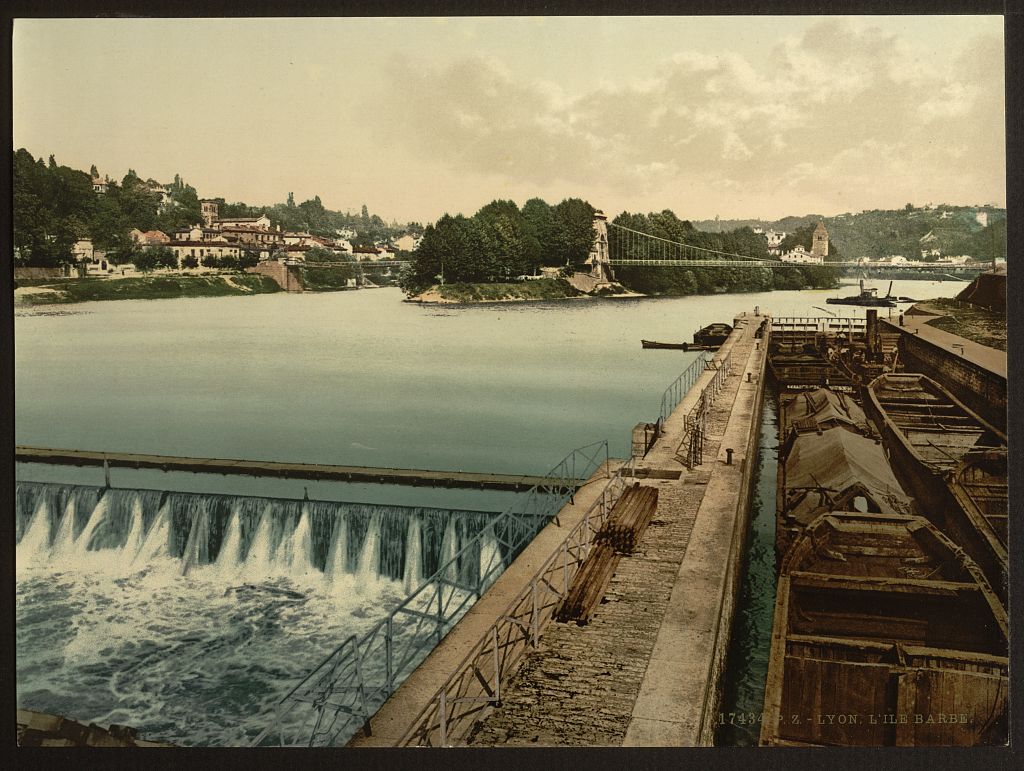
(211, 211)
(600, 266)
(819, 243)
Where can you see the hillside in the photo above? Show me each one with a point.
(949, 230)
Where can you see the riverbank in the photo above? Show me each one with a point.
(543, 289)
(973, 322)
(76, 290)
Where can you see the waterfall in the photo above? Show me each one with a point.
(449, 549)
(369, 557)
(156, 541)
(260, 558)
(64, 541)
(231, 548)
(249, 539)
(337, 556)
(490, 557)
(197, 550)
(97, 517)
(295, 554)
(134, 541)
(35, 542)
(413, 573)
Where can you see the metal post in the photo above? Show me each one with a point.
(440, 611)
(388, 646)
(497, 669)
(565, 566)
(533, 615)
(444, 719)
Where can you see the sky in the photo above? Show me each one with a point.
(737, 117)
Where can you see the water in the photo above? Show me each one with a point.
(123, 608)
(747, 662)
(189, 615)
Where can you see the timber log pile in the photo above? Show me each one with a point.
(619, 536)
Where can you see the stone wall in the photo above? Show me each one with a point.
(32, 273)
(286, 276)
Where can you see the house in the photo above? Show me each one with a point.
(982, 218)
(100, 185)
(196, 233)
(246, 234)
(366, 253)
(343, 245)
(149, 238)
(261, 222)
(83, 250)
(408, 242)
(799, 255)
(203, 249)
(293, 252)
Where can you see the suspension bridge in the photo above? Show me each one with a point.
(628, 247)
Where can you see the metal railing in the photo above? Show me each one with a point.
(478, 680)
(695, 422)
(361, 673)
(681, 385)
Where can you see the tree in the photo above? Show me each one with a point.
(576, 229)
(146, 260)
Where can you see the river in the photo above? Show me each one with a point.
(354, 378)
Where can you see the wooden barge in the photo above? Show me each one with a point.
(829, 460)
(884, 634)
(950, 460)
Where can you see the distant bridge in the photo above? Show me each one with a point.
(628, 247)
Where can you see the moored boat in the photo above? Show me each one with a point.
(655, 344)
(948, 459)
(713, 335)
(884, 634)
(834, 469)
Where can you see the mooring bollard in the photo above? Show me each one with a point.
(728, 456)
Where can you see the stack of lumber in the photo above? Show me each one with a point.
(620, 535)
(629, 518)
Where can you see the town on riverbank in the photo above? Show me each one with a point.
(82, 237)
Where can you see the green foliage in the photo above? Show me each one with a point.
(190, 262)
(152, 288)
(326, 279)
(500, 242)
(542, 289)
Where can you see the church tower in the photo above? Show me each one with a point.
(819, 243)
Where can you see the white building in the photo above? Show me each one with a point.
(982, 218)
(408, 243)
(799, 255)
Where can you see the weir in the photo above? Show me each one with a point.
(316, 471)
(247, 538)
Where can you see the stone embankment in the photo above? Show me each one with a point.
(645, 671)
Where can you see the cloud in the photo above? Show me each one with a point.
(843, 109)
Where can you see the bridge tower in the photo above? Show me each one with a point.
(599, 259)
